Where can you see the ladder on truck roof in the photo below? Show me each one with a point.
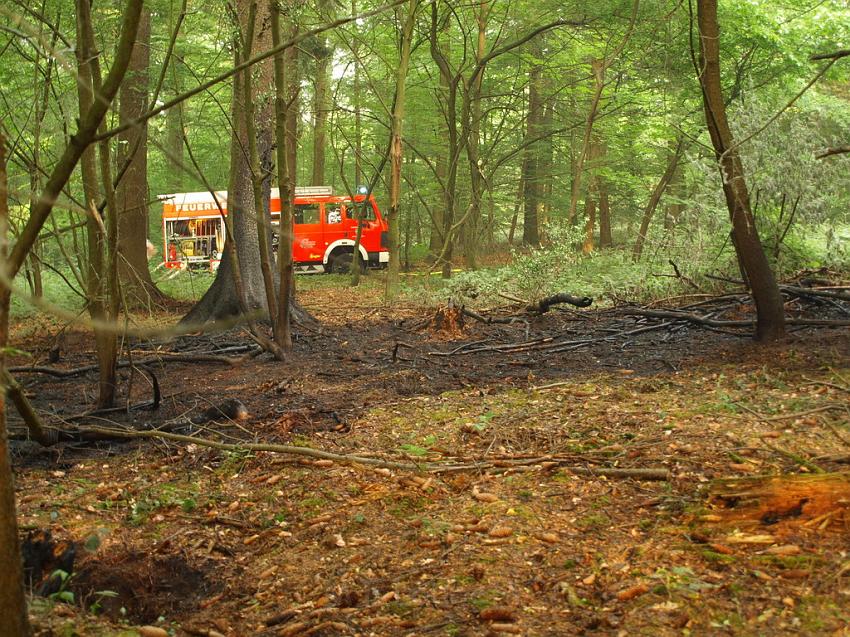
(204, 196)
(313, 191)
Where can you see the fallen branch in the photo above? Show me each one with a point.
(503, 320)
(36, 428)
(711, 322)
(542, 306)
(164, 358)
(814, 292)
(105, 433)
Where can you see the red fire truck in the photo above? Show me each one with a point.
(325, 227)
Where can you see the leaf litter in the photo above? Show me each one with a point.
(203, 542)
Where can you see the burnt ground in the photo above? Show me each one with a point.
(197, 540)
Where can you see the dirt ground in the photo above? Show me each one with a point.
(525, 534)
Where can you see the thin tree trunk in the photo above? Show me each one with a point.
(590, 224)
(590, 203)
(98, 278)
(770, 313)
(14, 620)
(321, 100)
(396, 151)
(358, 116)
(657, 192)
(285, 172)
(476, 179)
(78, 142)
(520, 189)
(132, 192)
(531, 163)
(605, 239)
(598, 67)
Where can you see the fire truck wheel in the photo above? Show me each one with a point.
(340, 262)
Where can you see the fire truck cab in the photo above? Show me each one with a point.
(324, 229)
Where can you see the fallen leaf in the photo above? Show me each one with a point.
(498, 614)
(505, 628)
(632, 592)
(483, 496)
(152, 631)
(721, 548)
(783, 549)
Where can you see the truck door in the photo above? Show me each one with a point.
(307, 245)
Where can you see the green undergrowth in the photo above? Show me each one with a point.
(613, 274)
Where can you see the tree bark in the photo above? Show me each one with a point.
(476, 179)
(770, 313)
(598, 67)
(531, 160)
(222, 299)
(605, 239)
(132, 192)
(396, 150)
(286, 180)
(100, 292)
(14, 620)
(321, 100)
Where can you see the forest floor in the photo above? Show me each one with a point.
(199, 541)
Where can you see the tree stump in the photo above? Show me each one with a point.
(447, 321)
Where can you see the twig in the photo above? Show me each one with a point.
(800, 460)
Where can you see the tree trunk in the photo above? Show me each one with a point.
(14, 620)
(531, 163)
(590, 224)
(100, 271)
(358, 115)
(438, 218)
(598, 67)
(321, 100)
(476, 179)
(546, 166)
(286, 180)
(221, 299)
(605, 239)
(770, 313)
(674, 209)
(657, 192)
(132, 191)
(396, 150)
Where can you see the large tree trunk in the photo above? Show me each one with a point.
(770, 314)
(222, 298)
(13, 606)
(132, 191)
